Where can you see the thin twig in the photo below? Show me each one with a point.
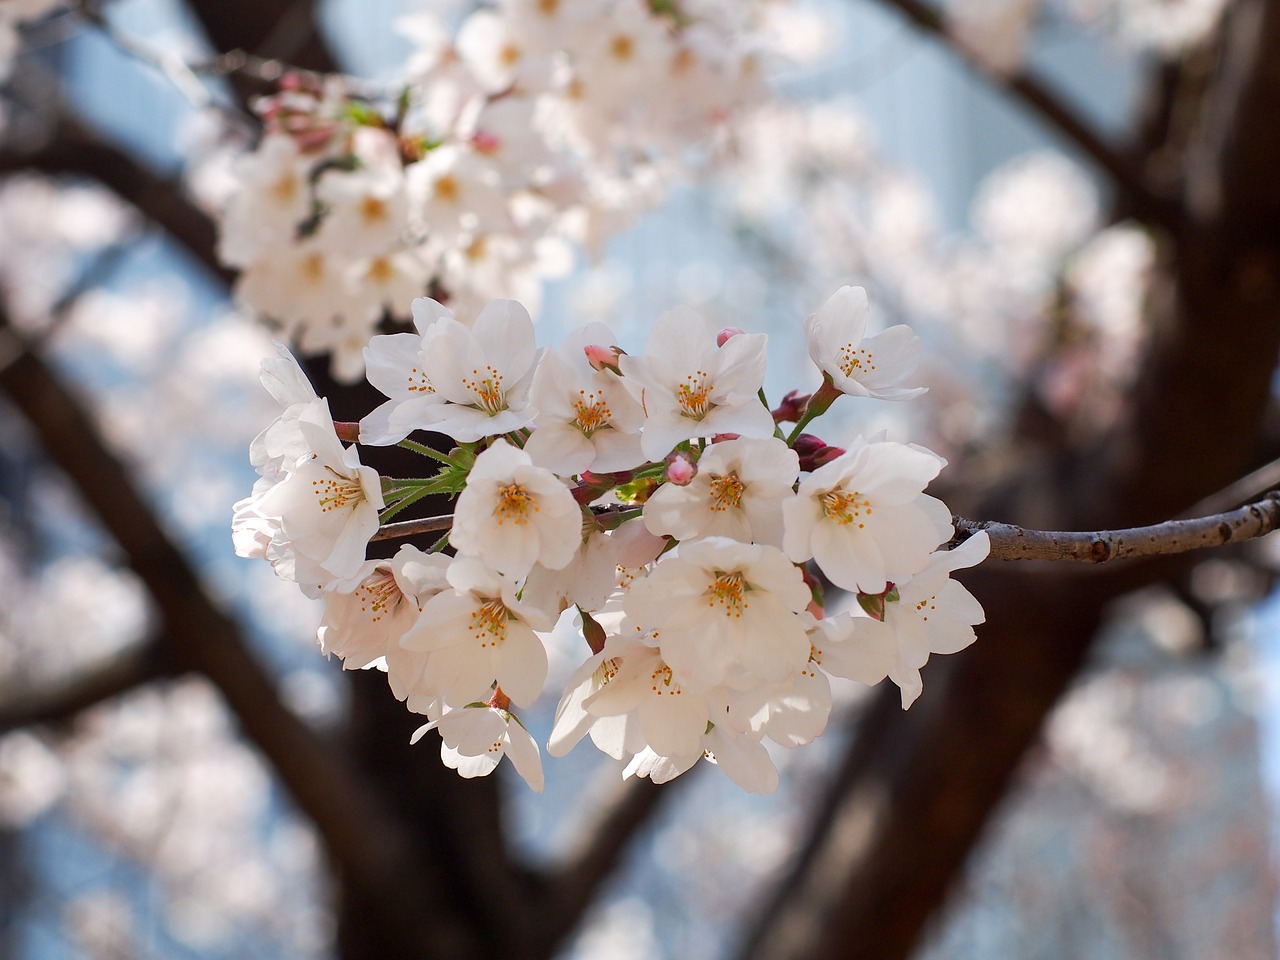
(1034, 92)
(1009, 542)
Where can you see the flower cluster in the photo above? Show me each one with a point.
(654, 494)
(539, 123)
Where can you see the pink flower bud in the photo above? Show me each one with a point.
(486, 142)
(680, 471)
(727, 334)
(722, 437)
(814, 452)
(602, 357)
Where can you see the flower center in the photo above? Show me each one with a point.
(592, 412)
(447, 189)
(418, 382)
(845, 507)
(487, 389)
(337, 492)
(489, 623)
(727, 590)
(924, 606)
(606, 671)
(726, 492)
(373, 210)
(662, 683)
(379, 595)
(853, 362)
(694, 395)
(514, 503)
(622, 47)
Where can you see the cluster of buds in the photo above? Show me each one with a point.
(538, 125)
(650, 498)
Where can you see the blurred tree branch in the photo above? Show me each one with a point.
(63, 701)
(896, 824)
(360, 836)
(1041, 98)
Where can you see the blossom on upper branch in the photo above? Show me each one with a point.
(858, 365)
(690, 388)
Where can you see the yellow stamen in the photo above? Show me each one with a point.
(726, 492)
(852, 360)
(489, 623)
(694, 395)
(337, 493)
(728, 589)
(514, 503)
(592, 412)
(846, 507)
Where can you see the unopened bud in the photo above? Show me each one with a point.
(814, 452)
(727, 334)
(791, 408)
(722, 437)
(486, 142)
(680, 471)
(602, 357)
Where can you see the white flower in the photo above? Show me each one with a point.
(689, 387)
(587, 581)
(321, 512)
(672, 719)
(271, 199)
(482, 372)
(725, 612)
(366, 621)
(396, 365)
(858, 365)
(586, 418)
(863, 517)
(477, 633)
(452, 192)
(738, 492)
(618, 735)
(512, 514)
(934, 614)
(476, 737)
(366, 210)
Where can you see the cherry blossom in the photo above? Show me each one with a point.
(858, 365)
(726, 613)
(475, 738)
(738, 492)
(586, 418)
(478, 633)
(691, 388)
(512, 514)
(864, 518)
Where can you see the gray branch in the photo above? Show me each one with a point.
(1009, 542)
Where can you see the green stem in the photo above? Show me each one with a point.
(408, 501)
(424, 450)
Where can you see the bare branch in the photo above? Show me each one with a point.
(1036, 94)
(59, 702)
(1009, 542)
